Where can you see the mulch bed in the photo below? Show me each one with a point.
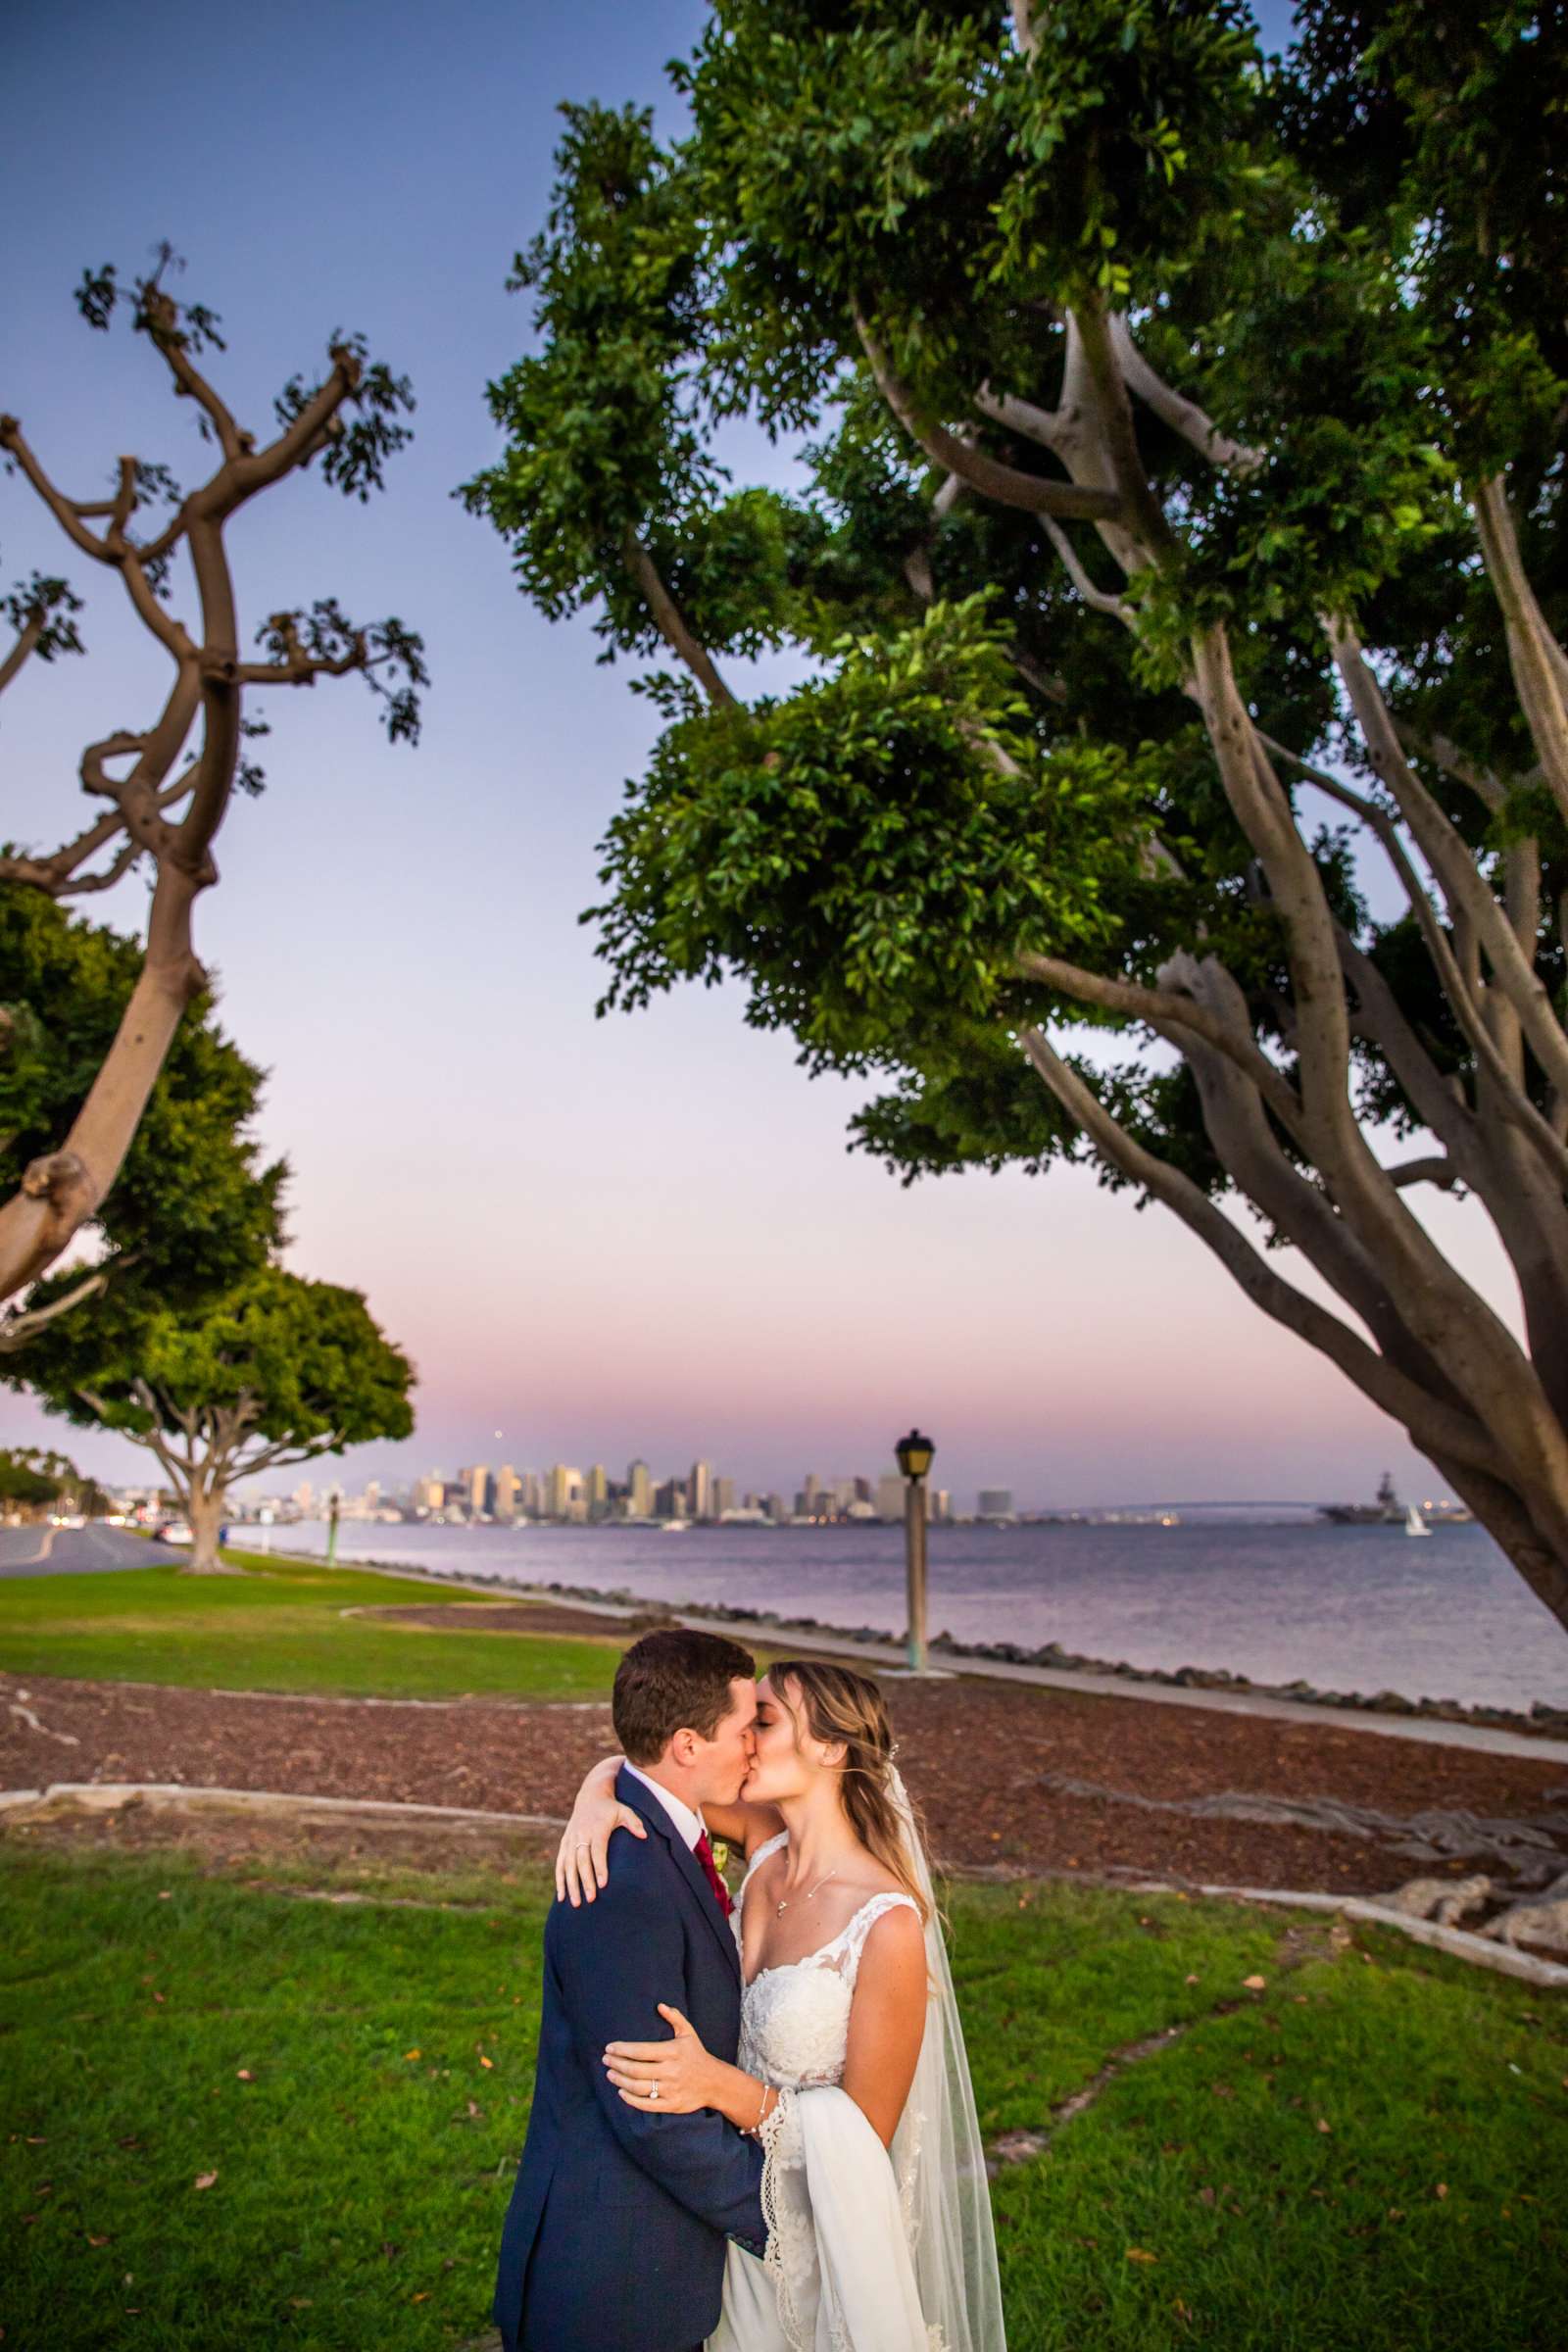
(974, 1753)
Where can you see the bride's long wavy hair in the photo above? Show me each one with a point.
(834, 1704)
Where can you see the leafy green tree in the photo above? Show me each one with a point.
(33, 1477)
(162, 803)
(194, 1210)
(1179, 771)
(280, 1370)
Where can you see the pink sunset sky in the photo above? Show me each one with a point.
(594, 1237)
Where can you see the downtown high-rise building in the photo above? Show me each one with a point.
(566, 1494)
(639, 1489)
(699, 1491)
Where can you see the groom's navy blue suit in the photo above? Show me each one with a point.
(615, 2237)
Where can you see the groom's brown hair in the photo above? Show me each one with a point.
(676, 1680)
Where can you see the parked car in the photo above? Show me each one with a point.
(172, 1530)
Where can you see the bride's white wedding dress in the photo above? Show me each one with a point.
(870, 2249)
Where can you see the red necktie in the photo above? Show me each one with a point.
(705, 1855)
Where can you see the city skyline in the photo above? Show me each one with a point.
(703, 1495)
(634, 1227)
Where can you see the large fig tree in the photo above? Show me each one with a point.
(1179, 770)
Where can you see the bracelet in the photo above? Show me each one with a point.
(752, 2129)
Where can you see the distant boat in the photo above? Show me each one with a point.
(1385, 1512)
(675, 1527)
(1415, 1523)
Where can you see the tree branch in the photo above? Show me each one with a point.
(672, 623)
(1431, 1425)
(1046, 427)
(1183, 415)
(1167, 1008)
(1139, 503)
(1534, 656)
(1451, 861)
(1004, 484)
(1513, 1100)
(1099, 600)
(1436, 1169)
(161, 315)
(18, 1325)
(63, 509)
(24, 643)
(283, 1451)
(1448, 756)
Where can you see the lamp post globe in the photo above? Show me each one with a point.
(915, 1454)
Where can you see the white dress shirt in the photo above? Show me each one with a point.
(688, 1822)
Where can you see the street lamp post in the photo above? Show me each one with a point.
(915, 1454)
(331, 1527)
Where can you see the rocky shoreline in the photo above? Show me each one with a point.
(1545, 1721)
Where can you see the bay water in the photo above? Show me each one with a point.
(1344, 1608)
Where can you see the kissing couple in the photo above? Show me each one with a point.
(753, 2126)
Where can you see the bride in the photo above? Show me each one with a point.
(851, 2068)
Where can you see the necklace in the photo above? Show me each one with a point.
(805, 1898)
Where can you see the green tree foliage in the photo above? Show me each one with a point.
(33, 1477)
(195, 1209)
(277, 1370)
(1176, 579)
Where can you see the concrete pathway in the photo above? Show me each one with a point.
(888, 1654)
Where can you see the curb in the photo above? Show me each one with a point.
(1484, 1951)
(107, 1796)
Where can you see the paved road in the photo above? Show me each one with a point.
(76, 1550)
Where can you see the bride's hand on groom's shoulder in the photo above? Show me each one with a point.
(681, 2068)
(582, 1856)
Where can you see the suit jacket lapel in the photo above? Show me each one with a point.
(643, 1801)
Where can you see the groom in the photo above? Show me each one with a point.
(614, 2236)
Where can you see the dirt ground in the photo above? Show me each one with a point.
(986, 1761)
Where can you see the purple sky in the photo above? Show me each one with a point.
(596, 1238)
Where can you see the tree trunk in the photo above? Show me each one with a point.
(205, 1508)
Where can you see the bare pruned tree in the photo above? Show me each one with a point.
(167, 784)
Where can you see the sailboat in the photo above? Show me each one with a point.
(1415, 1523)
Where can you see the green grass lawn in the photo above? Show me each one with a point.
(280, 1627)
(328, 2067)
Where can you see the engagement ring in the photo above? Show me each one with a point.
(652, 2090)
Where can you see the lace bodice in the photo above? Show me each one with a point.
(794, 2017)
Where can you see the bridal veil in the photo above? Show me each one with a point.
(938, 2156)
